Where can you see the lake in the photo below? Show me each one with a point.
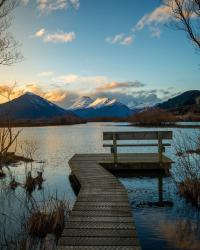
(172, 227)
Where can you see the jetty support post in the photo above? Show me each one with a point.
(114, 149)
(160, 147)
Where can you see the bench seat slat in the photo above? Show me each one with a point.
(137, 145)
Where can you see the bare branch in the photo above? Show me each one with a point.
(8, 135)
(186, 17)
(9, 53)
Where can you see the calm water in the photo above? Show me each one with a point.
(176, 227)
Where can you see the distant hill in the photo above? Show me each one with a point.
(33, 107)
(184, 99)
(185, 106)
(87, 108)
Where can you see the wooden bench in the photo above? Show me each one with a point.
(159, 136)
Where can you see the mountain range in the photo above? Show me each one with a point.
(31, 107)
(88, 108)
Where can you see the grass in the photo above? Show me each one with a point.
(187, 169)
(47, 220)
(40, 225)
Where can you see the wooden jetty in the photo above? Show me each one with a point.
(101, 217)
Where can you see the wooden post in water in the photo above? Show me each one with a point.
(160, 188)
(160, 147)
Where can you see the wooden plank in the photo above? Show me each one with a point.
(91, 208)
(99, 241)
(104, 218)
(103, 199)
(130, 157)
(138, 145)
(137, 135)
(100, 233)
(101, 204)
(100, 225)
(98, 248)
(101, 213)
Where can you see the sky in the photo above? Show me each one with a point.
(120, 49)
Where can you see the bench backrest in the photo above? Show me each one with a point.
(138, 135)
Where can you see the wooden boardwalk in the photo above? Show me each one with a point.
(101, 217)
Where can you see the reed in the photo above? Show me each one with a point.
(187, 169)
(48, 219)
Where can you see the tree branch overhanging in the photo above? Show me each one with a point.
(9, 47)
(186, 16)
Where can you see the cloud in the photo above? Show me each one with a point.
(73, 78)
(57, 37)
(61, 97)
(75, 3)
(46, 73)
(54, 95)
(127, 40)
(159, 15)
(60, 37)
(120, 85)
(131, 99)
(120, 39)
(115, 39)
(40, 33)
(24, 2)
(163, 14)
(155, 32)
(65, 98)
(54, 5)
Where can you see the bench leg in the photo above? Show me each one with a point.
(115, 149)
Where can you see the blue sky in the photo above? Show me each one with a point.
(111, 48)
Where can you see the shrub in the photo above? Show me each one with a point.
(153, 117)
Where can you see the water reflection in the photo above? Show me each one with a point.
(158, 175)
(181, 233)
(163, 219)
(159, 227)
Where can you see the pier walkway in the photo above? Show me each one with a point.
(101, 217)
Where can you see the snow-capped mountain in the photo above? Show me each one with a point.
(31, 106)
(87, 108)
(87, 102)
(82, 102)
(102, 102)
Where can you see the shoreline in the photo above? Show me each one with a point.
(166, 126)
(24, 125)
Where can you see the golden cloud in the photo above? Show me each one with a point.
(9, 92)
(119, 85)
